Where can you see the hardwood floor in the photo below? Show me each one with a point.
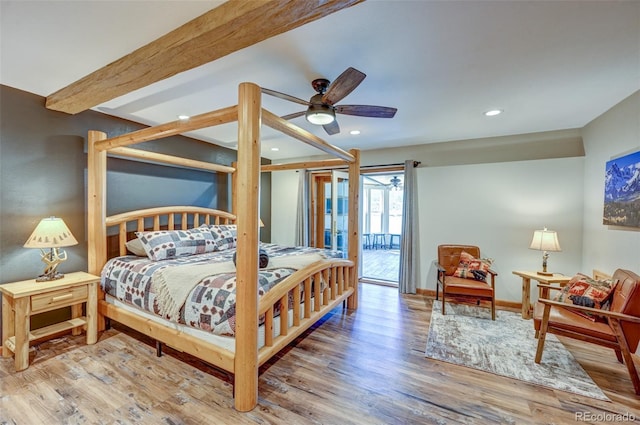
(381, 264)
(362, 367)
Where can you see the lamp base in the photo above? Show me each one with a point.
(545, 273)
(49, 277)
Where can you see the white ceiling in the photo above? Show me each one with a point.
(549, 65)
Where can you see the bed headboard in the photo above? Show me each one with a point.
(160, 218)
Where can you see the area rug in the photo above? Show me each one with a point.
(467, 336)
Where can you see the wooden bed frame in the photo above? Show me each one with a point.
(340, 274)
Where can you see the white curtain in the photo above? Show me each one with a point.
(302, 215)
(409, 242)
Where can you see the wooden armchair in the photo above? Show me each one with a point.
(620, 331)
(459, 287)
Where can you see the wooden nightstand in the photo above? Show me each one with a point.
(21, 300)
(527, 309)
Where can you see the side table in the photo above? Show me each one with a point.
(21, 300)
(527, 310)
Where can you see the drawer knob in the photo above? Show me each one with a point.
(61, 297)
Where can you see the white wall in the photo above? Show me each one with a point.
(284, 204)
(497, 207)
(614, 133)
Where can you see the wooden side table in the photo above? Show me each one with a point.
(527, 310)
(21, 300)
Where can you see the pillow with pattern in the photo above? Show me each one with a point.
(473, 268)
(224, 235)
(136, 248)
(585, 291)
(164, 244)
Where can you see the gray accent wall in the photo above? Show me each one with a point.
(43, 171)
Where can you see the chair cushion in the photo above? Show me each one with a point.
(564, 319)
(473, 268)
(585, 291)
(468, 287)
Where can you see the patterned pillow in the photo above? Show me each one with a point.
(585, 291)
(165, 244)
(473, 268)
(224, 235)
(136, 248)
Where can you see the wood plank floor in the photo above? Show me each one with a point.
(362, 367)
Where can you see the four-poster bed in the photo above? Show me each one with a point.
(308, 293)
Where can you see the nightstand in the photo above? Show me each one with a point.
(21, 300)
(527, 309)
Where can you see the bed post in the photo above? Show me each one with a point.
(247, 186)
(96, 205)
(353, 226)
(96, 209)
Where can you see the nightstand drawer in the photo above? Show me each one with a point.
(56, 299)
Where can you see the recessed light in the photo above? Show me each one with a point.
(275, 149)
(354, 132)
(183, 117)
(493, 112)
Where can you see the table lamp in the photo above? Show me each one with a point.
(54, 234)
(545, 240)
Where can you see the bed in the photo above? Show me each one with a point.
(266, 318)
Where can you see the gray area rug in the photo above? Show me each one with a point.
(467, 336)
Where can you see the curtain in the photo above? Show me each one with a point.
(409, 242)
(302, 214)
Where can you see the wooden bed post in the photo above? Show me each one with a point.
(96, 203)
(247, 186)
(354, 229)
(96, 210)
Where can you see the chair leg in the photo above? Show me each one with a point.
(443, 298)
(619, 355)
(628, 359)
(543, 332)
(493, 308)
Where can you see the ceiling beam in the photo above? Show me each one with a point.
(230, 27)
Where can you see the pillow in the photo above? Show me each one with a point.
(164, 244)
(585, 291)
(136, 248)
(224, 235)
(473, 268)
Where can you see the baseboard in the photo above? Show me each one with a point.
(510, 305)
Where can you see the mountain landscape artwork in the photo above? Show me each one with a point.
(622, 191)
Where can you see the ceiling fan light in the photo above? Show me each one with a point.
(320, 115)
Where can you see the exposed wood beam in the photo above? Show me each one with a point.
(230, 27)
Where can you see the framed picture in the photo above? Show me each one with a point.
(622, 191)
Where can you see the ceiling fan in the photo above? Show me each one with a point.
(322, 108)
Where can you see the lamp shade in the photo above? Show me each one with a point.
(51, 232)
(545, 240)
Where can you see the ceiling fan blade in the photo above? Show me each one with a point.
(366, 111)
(284, 96)
(332, 128)
(294, 115)
(343, 85)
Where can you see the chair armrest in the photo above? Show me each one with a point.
(605, 313)
(494, 273)
(439, 267)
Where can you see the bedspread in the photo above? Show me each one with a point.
(210, 305)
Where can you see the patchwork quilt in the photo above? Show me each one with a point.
(210, 305)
